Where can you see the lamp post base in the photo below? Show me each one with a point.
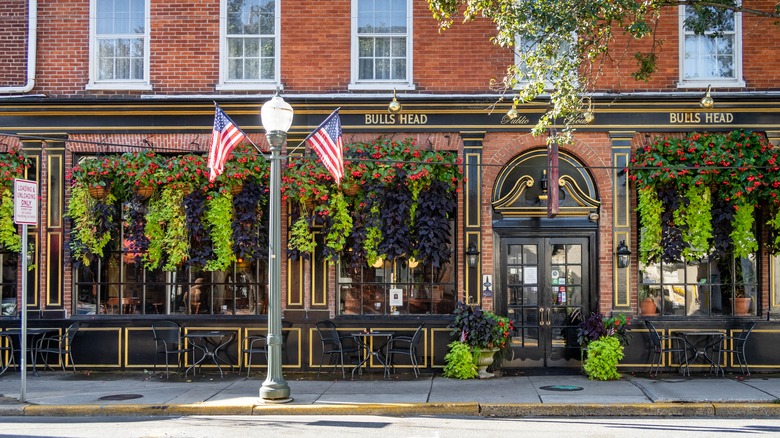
(272, 392)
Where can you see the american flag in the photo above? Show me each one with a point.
(225, 136)
(326, 141)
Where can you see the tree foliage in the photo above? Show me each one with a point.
(559, 44)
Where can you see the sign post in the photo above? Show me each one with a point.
(25, 213)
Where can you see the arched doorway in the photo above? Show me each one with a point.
(546, 274)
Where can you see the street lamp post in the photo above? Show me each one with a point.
(276, 115)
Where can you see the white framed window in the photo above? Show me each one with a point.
(119, 45)
(712, 58)
(563, 43)
(381, 44)
(249, 44)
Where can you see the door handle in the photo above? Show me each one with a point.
(541, 316)
(549, 310)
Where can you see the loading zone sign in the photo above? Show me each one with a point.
(25, 202)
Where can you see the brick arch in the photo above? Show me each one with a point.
(593, 150)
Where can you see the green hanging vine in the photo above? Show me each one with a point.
(219, 215)
(697, 222)
(167, 231)
(340, 224)
(86, 240)
(10, 239)
(301, 238)
(649, 207)
(742, 235)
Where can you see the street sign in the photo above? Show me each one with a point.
(25, 202)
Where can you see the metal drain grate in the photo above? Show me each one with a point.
(561, 388)
(120, 397)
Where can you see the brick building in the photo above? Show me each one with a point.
(87, 78)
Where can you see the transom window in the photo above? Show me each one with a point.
(381, 31)
(250, 40)
(119, 44)
(714, 57)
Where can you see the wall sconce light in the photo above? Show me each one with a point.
(707, 102)
(512, 113)
(472, 255)
(413, 262)
(587, 116)
(378, 263)
(395, 106)
(623, 255)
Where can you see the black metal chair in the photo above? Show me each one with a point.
(736, 345)
(6, 353)
(168, 341)
(661, 345)
(333, 344)
(255, 344)
(406, 346)
(60, 345)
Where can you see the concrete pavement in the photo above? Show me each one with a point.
(143, 393)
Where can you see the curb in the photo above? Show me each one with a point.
(473, 409)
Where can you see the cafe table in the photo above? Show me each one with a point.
(370, 343)
(210, 343)
(33, 334)
(702, 343)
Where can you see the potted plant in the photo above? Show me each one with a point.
(647, 300)
(483, 332)
(136, 172)
(95, 174)
(603, 341)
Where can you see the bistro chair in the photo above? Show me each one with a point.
(405, 346)
(60, 345)
(168, 341)
(255, 344)
(661, 345)
(333, 345)
(258, 344)
(6, 353)
(736, 345)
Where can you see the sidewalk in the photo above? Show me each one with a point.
(138, 393)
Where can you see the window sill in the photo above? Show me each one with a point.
(248, 86)
(714, 83)
(381, 86)
(122, 86)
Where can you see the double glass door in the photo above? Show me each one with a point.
(547, 292)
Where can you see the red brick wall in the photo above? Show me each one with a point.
(316, 52)
(13, 42)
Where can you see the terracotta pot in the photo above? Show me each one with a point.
(236, 189)
(742, 306)
(648, 307)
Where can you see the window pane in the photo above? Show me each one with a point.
(268, 69)
(251, 47)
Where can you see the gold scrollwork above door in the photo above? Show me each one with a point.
(521, 187)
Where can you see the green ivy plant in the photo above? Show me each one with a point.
(649, 207)
(166, 229)
(301, 238)
(339, 224)
(461, 363)
(86, 240)
(603, 357)
(742, 235)
(10, 240)
(219, 215)
(696, 221)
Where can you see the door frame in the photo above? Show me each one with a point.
(542, 228)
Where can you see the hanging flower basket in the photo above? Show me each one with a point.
(98, 192)
(144, 192)
(352, 190)
(236, 189)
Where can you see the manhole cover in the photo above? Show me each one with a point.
(561, 388)
(121, 397)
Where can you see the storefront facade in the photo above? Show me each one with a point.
(541, 268)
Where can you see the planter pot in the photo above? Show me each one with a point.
(236, 189)
(742, 306)
(484, 360)
(648, 307)
(352, 190)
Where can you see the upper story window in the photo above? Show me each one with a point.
(526, 64)
(381, 44)
(714, 57)
(119, 45)
(249, 41)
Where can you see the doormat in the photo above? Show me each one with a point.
(120, 397)
(561, 388)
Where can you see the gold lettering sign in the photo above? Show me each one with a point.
(705, 118)
(396, 119)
